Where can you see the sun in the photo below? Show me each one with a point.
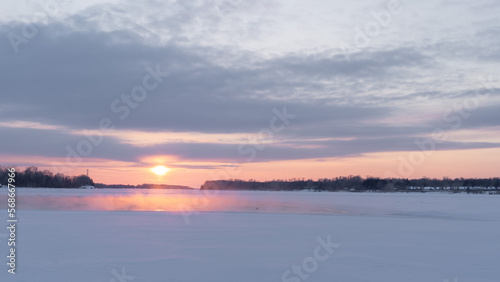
(160, 170)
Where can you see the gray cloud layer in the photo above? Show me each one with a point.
(70, 74)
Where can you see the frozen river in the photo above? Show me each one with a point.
(181, 235)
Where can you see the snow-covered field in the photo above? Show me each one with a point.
(171, 236)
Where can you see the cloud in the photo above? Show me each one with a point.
(53, 143)
(68, 76)
(72, 80)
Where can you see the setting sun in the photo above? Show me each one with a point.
(160, 170)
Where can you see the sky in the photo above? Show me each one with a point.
(232, 89)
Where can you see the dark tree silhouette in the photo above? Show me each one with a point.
(357, 183)
(33, 177)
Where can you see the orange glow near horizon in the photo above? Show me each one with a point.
(453, 163)
(456, 163)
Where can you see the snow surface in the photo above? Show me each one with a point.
(118, 235)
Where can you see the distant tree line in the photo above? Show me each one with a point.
(33, 177)
(359, 184)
